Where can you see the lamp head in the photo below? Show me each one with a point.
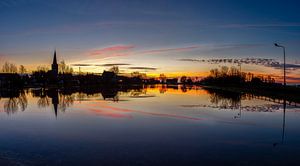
(277, 45)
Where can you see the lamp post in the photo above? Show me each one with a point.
(284, 73)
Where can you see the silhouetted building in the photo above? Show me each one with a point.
(54, 68)
(10, 80)
(172, 81)
(109, 77)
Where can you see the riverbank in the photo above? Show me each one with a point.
(291, 94)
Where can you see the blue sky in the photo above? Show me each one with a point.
(166, 30)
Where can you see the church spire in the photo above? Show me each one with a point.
(54, 65)
(54, 58)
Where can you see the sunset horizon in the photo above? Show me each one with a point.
(149, 82)
(139, 35)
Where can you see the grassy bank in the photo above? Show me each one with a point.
(291, 94)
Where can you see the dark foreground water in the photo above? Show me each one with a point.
(155, 125)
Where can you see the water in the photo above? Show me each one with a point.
(154, 125)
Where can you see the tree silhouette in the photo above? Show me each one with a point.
(9, 68)
(22, 69)
(114, 69)
(64, 68)
(13, 104)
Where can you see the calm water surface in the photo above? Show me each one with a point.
(155, 125)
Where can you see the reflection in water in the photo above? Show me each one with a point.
(64, 98)
(65, 101)
(110, 94)
(283, 126)
(239, 115)
(16, 100)
(43, 102)
(145, 117)
(224, 100)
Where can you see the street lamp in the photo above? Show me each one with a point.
(277, 45)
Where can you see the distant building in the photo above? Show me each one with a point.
(54, 67)
(109, 77)
(172, 81)
(10, 80)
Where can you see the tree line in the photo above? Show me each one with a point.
(8, 67)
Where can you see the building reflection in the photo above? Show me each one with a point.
(53, 94)
(61, 99)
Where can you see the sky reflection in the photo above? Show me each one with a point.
(172, 124)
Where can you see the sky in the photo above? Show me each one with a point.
(151, 36)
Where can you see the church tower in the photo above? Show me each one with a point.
(54, 65)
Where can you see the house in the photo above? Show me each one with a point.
(10, 80)
(109, 77)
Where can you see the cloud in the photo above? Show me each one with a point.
(269, 25)
(254, 61)
(112, 51)
(257, 61)
(223, 47)
(178, 49)
(207, 47)
(191, 60)
(82, 65)
(293, 79)
(287, 66)
(142, 68)
(114, 64)
(104, 65)
(127, 50)
(12, 3)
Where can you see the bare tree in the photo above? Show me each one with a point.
(162, 78)
(42, 68)
(64, 68)
(114, 69)
(224, 70)
(9, 68)
(22, 69)
(183, 79)
(214, 72)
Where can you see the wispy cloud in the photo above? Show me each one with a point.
(11, 3)
(142, 68)
(127, 50)
(114, 64)
(117, 50)
(288, 66)
(163, 50)
(262, 25)
(258, 61)
(82, 65)
(224, 47)
(104, 65)
(254, 61)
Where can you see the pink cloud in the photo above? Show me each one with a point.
(118, 50)
(127, 50)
